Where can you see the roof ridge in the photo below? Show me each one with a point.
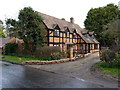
(60, 19)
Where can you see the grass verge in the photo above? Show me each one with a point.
(111, 68)
(19, 59)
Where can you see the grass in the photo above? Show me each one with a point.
(19, 59)
(110, 68)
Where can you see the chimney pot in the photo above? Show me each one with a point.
(72, 20)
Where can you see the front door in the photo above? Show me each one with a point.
(69, 51)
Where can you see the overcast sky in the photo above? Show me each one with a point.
(57, 8)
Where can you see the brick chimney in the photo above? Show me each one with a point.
(72, 20)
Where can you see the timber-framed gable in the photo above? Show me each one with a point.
(66, 34)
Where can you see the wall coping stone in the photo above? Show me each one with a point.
(55, 61)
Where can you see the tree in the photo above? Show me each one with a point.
(98, 17)
(2, 35)
(112, 33)
(27, 28)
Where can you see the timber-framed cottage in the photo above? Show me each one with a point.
(69, 36)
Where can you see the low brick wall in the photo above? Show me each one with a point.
(49, 62)
(54, 61)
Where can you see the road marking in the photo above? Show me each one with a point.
(80, 79)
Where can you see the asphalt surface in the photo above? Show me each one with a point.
(64, 75)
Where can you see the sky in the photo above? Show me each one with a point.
(77, 9)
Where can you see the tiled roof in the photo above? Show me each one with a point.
(51, 22)
(3, 41)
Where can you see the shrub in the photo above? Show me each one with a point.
(50, 53)
(108, 55)
(112, 64)
(10, 48)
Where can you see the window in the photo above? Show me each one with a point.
(81, 47)
(56, 32)
(74, 34)
(92, 36)
(96, 46)
(91, 46)
(57, 45)
(67, 34)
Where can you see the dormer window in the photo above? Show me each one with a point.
(92, 36)
(67, 34)
(74, 34)
(86, 35)
(56, 32)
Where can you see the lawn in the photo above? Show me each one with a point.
(19, 59)
(110, 68)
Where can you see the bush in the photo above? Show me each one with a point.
(10, 48)
(108, 55)
(50, 53)
(112, 64)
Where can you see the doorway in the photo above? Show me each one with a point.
(69, 51)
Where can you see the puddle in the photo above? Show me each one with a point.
(6, 64)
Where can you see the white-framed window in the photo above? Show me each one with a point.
(56, 32)
(67, 34)
(74, 34)
(56, 45)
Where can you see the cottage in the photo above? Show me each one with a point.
(69, 36)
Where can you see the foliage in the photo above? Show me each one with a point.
(98, 17)
(11, 48)
(108, 55)
(112, 64)
(2, 35)
(52, 53)
(27, 28)
(111, 68)
(112, 33)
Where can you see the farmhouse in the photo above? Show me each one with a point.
(69, 36)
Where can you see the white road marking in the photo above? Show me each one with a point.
(80, 79)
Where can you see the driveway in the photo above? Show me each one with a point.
(79, 69)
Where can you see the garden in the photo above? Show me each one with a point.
(12, 53)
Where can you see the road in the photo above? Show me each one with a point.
(50, 76)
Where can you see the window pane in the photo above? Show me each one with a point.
(56, 32)
(67, 34)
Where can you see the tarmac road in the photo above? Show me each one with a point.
(65, 75)
(80, 69)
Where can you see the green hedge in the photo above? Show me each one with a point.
(50, 53)
(108, 55)
(10, 48)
